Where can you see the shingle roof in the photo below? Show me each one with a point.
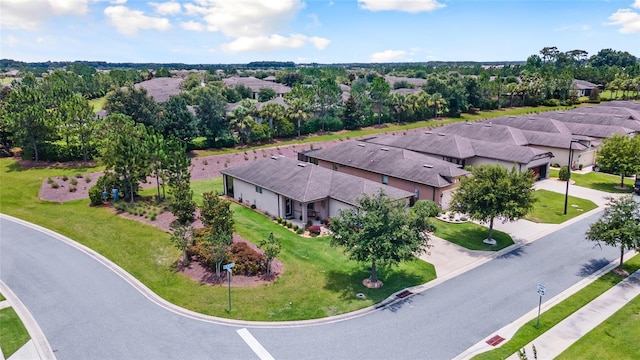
(390, 161)
(487, 132)
(256, 84)
(306, 182)
(161, 89)
(594, 118)
(448, 145)
(542, 124)
(451, 145)
(540, 131)
(626, 104)
(628, 113)
(583, 85)
(413, 81)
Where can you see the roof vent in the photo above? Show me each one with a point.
(274, 157)
(428, 132)
(361, 144)
(302, 164)
(427, 166)
(487, 125)
(441, 134)
(384, 149)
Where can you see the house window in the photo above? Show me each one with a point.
(335, 167)
(385, 179)
(258, 189)
(313, 161)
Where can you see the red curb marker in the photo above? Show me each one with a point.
(495, 340)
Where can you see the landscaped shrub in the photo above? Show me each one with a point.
(72, 188)
(74, 181)
(49, 181)
(295, 227)
(55, 185)
(289, 225)
(299, 231)
(580, 166)
(87, 179)
(78, 175)
(463, 218)
(95, 195)
(65, 178)
(248, 261)
(308, 224)
(563, 174)
(314, 229)
(555, 165)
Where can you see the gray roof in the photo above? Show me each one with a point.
(413, 81)
(594, 118)
(486, 132)
(627, 113)
(405, 91)
(161, 89)
(544, 124)
(583, 85)
(625, 104)
(548, 132)
(306, 182)
(456, 146)
(256, 84)
(390, 161)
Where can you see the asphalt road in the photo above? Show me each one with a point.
(88, 311)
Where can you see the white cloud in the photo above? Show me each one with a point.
(167, 8)
(249, 18)
(28, 15)
(192, 25)
(387, 56)
(128, 22)
(636, 4)
(411, 6)
(273, 42)
(319, 43)
(628, 19)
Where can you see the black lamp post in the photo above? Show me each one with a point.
(566, 194)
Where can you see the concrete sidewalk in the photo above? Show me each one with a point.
(37, 347)
(553, 342)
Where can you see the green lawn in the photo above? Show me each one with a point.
(13, 334)
(2, 297)
(559, 312)
(318, 280)
(98, 103)
(346, 135)
(615, 338)
(470, 235)
(550, 207)
(597, 181)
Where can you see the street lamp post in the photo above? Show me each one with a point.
(566, 193)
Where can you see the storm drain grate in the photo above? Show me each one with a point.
(495, 340)
(403, 294)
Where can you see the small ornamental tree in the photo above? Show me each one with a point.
(618, 226)
(182, 237)
(271, 248)
(217, 217)
(495, 192)
(380, 232)
(620, 154)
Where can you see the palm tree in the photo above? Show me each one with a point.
(438, 102)
(298, 111)
(272, 112)
(399, 104)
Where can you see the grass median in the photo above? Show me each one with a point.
(598, 181)
(13, 334)
(549, 207)
(470, 235)
(559, 312)
(318, 280)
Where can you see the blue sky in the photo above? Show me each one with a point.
(323, 31)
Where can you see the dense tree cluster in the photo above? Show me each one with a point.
(47, 115)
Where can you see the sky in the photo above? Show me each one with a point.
(322, 31)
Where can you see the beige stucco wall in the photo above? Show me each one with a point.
(266, 202)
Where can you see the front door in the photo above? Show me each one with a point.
(288, 208)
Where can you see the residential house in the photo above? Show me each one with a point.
(161, 89)
(297, 190)
(620, 121)
(424, 176)
(256, 84)
(543, 134)
(583, 87)
(468, 152)
(628, 113)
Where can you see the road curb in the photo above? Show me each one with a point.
(40, 341)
